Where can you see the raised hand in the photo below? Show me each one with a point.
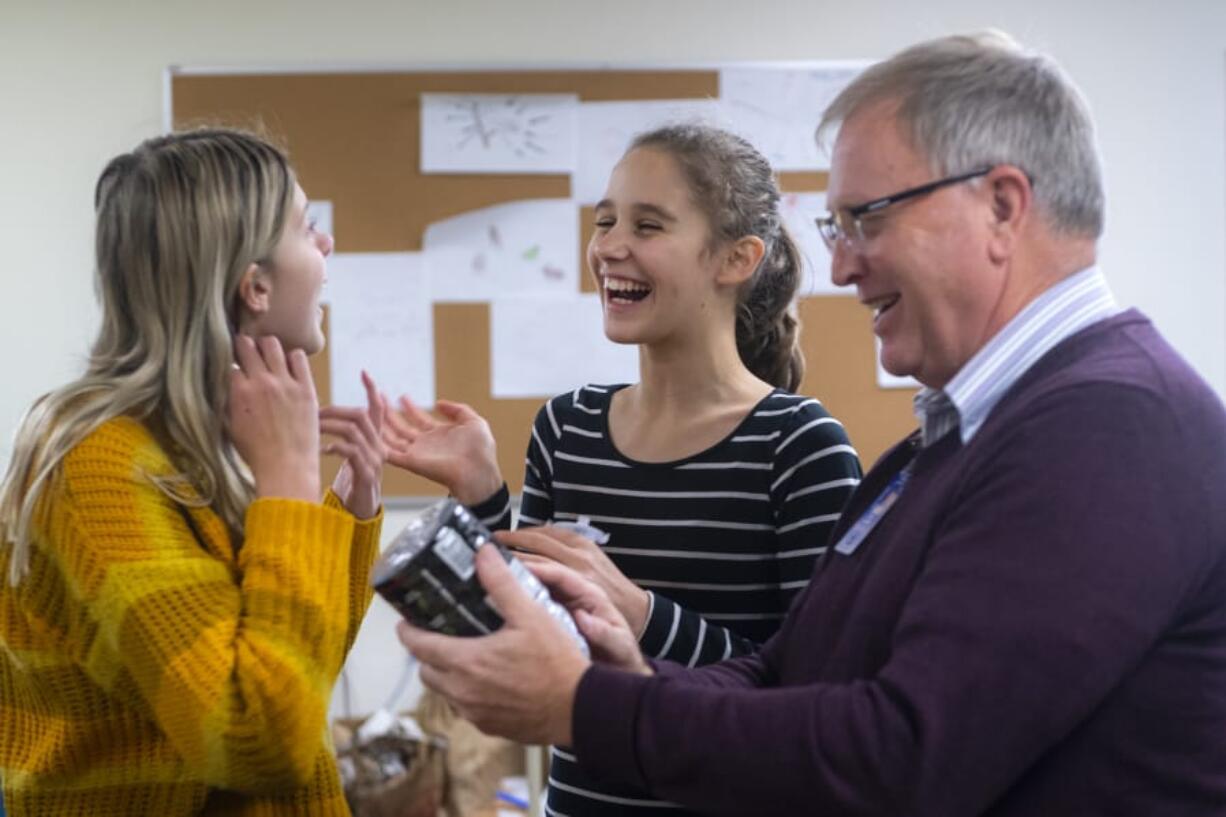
(357, 437)
(272, 418)
(587, 559)
(456, 450)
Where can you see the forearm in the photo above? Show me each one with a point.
(236, 675)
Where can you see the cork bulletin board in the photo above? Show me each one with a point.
(354, 137)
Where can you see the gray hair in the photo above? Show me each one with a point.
(973, 101)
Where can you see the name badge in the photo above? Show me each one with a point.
(863, 526)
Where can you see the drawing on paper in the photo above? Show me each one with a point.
(498, 133)
(526, 247)
(509, 123)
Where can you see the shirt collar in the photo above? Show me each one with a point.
(969, 397)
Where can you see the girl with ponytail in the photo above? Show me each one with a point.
(718, 486)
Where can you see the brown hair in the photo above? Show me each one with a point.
(735, 187)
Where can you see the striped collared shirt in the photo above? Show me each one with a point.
(969, 397)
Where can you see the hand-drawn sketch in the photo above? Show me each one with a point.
(521, 247)
(778, 109)
(498, 133)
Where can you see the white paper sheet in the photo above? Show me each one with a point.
(321, 212)
(528, 247)
(799, 211)
(778, 108)
(885, 380)
(540, 347)
(498, 133)
(606, 128)
(381, 320)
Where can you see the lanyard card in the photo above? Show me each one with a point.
(868, 520)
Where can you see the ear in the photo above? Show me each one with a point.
(741, 259)
(1011, 199)
(254, 292)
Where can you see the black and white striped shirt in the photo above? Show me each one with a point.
(724, 539)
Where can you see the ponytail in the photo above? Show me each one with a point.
(767, 327)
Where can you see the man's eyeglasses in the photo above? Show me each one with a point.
(848, 224)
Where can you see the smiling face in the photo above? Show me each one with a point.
(650, 254)
(282, 296)
(924, 266)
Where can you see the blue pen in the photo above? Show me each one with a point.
(507, 797)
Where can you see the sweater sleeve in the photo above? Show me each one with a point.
(364, 549)
(495, 512)
(536, 503)
(234, 661)
(814, 471)
(1055, 572)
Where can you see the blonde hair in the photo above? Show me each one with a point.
(179, 220)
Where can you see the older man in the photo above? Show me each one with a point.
(1024, 609)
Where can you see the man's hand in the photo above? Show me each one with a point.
(587, 559)
(518, 682)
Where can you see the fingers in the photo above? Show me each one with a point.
(456, 412)
(415, 415)
(396, 431)
(429, 648)
(540, 541)
(337, 417)
(565, 585)
(512, 601)
(611, 642)
(273, 355)
(246, 355)
(376, 404)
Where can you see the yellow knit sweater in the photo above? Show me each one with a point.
(148, 666)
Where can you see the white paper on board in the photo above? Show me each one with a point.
(885, 380)
(498, 133)
(799, 211)
(540, 347)
(321, 213)
(606, 128)
(528, 247)
(381, 320)
(777, 109)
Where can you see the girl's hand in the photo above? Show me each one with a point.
(585, 557)
(272, 418)
(356, 433)
(456, 451)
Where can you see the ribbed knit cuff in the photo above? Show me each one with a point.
(495, 512)
(658, 632)
(292, 544)
(604, 722)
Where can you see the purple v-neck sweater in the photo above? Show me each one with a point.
(1037, 627)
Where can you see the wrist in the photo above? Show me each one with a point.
(301, 485)
(638, 611)
(478, 488)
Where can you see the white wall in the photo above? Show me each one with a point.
(82, 81)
